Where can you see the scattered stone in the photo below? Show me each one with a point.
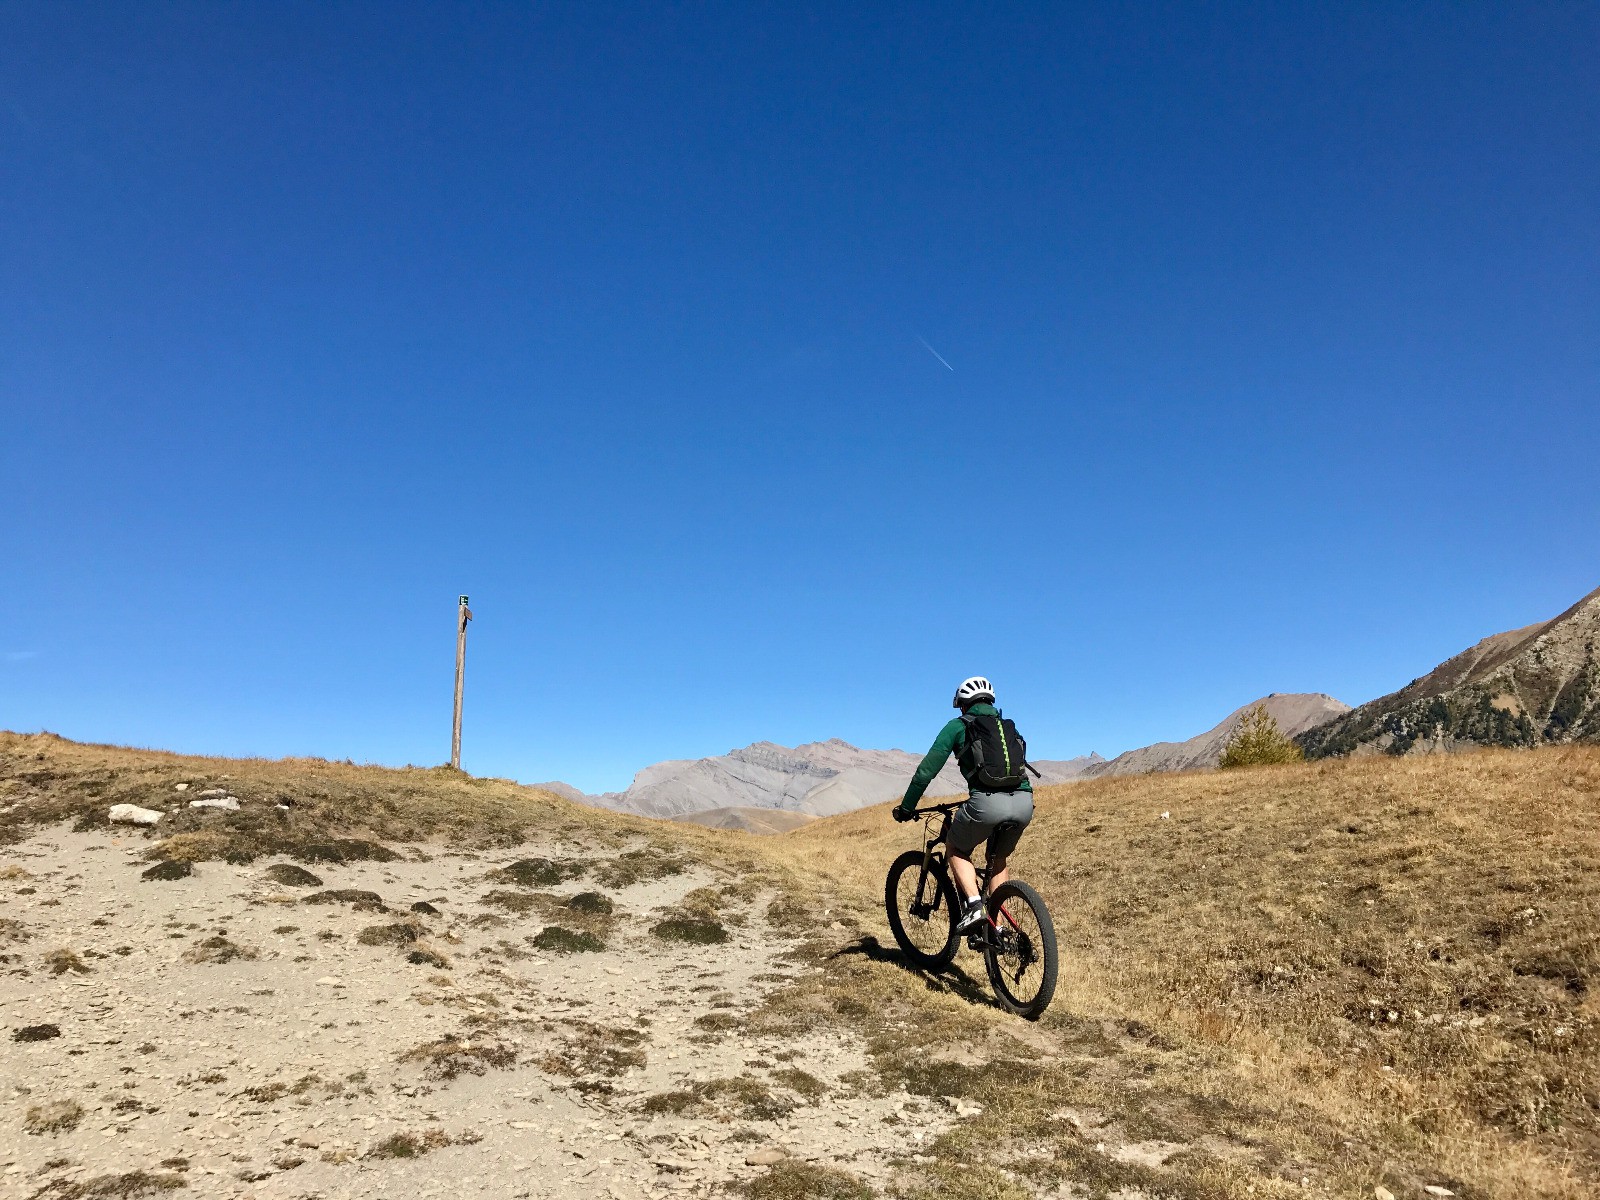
(768, 1156)
(1382, 1193)
(292, 876)
(132, 814)
(168, 871)
(36, 1033)
(331, 981)
(1433, 1189)
(180, 787)
(227, 803)
(216, 794)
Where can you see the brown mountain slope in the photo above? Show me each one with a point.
(1293, 711)
(1526, 687)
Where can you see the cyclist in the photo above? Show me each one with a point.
(992, 757)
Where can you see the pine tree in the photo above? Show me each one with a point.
(1257, 740)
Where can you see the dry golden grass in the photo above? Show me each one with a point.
(1408, 949)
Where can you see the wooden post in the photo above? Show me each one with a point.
(463, 615)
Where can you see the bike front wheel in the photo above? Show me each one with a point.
(922, 910)
(1021, 952)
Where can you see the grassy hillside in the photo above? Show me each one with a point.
(1408, 949)
(1319, 979)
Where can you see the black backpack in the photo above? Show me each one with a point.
(995, 754)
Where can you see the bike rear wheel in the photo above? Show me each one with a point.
(922, 910)
(1021, 952)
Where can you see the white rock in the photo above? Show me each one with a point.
(1382, 1193)
(223, 802)
(215, 793)
(1166, 816)
(1433, 1189)
(132, 814)
(180, 787)
(765, 1157)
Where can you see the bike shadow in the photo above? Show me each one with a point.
(951, 981)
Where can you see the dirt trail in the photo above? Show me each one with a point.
(224, 1030)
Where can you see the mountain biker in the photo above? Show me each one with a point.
(992, 757)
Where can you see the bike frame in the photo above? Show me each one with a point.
(930, 845)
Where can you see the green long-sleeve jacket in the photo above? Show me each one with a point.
(952, 738)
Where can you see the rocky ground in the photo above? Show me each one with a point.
(552, 1022)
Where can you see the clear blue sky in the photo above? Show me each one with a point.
(1275, 333)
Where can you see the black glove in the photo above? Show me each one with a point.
(904, 814)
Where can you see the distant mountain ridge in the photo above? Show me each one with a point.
(1526, 687)
(818, 779)
(1293, 711)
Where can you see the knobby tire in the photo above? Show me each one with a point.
(935, 942)
(1033, 952)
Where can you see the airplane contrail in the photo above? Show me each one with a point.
(934, 352)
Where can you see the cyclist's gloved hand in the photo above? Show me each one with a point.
(904, 814)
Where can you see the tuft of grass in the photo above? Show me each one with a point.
(343, 850)
(168, 870)
(422, 955)
(400, 933)
(448, 1058)
(803, 1083)
(539, 872)
(594, 904)
(790, 1180)
(126, 1186)
(638, 866)
(62, 960)
(13, 930)
(740, 1098)
(55, 1116)
(519, 902)
(560, 940)
(695, 931)
(361, 899)
(219, 949)
(409, 1145)
(291, 876)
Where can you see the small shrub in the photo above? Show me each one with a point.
(36, 1033)
(427, 956)
(539, 872)
(447, 1058)
(1257, 741)
(594, 904)
(218, 949)
(409, 1145)
(401, 933)
(560, 940)
(63, 960)
(362, 900)
(57, 1116)
(291, 876)
(695, 931)
(790, 1180)
(343, 850)
(636, 866)
(122, 1187)
(169, 870)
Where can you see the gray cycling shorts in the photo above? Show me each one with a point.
(974, 822)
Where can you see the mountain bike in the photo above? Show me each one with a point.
(1018, 939)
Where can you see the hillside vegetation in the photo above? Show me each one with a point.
(1409, 949)
(1317, 979)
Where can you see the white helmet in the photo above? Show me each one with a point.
(971, 691)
